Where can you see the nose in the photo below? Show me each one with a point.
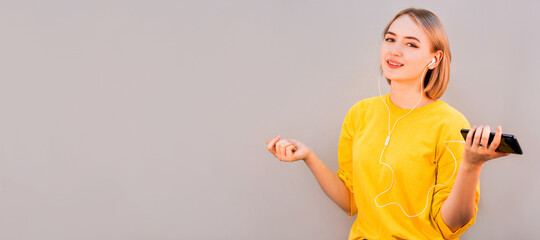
(395, 50)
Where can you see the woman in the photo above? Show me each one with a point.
(401, 168)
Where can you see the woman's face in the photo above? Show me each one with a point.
(405, 51)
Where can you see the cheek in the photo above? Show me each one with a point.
(383, 52)
(420, 60)
(384, 48)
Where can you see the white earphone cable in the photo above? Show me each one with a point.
(390, 130)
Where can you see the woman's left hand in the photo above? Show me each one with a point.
(477, 151)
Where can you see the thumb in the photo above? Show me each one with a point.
(296, 143)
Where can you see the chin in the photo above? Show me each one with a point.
(391, 76)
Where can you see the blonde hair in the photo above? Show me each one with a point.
(436, 80)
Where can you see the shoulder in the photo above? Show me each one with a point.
(358, 111)
(365, 104)
(451, 121)
(451, 116)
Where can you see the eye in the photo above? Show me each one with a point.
(412, 45)
(389, 39)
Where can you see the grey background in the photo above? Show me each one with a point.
(149, 119)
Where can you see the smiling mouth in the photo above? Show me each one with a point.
(394, 64)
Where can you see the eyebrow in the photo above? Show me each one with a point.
(408, 37)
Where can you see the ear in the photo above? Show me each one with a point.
(438, 57)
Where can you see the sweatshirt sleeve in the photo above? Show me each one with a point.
(447, 169)
(345, 171)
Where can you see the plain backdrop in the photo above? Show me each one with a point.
(149, 119)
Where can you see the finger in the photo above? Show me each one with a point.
(476, 138)
(485, 136)
(468, 140)
(270, 144)
(497, 140)
(281, 146)
(296, 143)
(280, 149)
(292, 148)
(289, 152)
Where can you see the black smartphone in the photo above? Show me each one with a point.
(509, 143)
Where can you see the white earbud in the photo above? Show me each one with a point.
(433, 60)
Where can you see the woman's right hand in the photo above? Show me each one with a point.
(287, 150)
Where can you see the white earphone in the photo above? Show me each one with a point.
(390, 131)
(433, 60)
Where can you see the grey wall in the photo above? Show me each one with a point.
(149, 119)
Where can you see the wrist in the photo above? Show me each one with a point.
(470, 166)
(309, 157)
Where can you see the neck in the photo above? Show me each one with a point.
(405, 94)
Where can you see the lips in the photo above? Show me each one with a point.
(393, 64)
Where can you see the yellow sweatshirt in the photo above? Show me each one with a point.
(419, 159)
